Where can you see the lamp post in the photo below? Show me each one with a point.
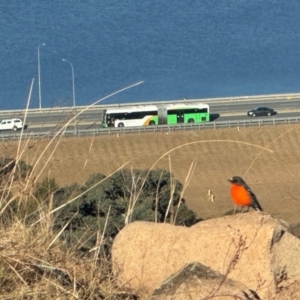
(39, 75)
(72, 81)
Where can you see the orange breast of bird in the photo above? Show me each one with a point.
(240, 196)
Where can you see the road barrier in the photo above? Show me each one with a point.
(73, 131)
(274, 97)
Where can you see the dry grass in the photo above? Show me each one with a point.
(218, 154)
(29, 270)
(34, 262)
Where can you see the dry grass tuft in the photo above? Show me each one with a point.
(34, 262)
(29, 270)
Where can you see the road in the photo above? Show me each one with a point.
(222, 110)
(281, 106)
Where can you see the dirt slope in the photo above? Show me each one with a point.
(268, 158)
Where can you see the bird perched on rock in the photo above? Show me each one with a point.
(242, 195)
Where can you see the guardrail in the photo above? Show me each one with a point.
(204, 100)
(71, 132)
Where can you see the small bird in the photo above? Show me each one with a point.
(242, 195)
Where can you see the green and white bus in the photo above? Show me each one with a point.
(144, 115)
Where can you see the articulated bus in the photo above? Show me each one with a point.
(144, 115)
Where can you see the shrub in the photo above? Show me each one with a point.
(7, 165)
(44, 189)
(126, 195)
(10, 172)
(23, 170)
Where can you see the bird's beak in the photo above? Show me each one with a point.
(230, 180)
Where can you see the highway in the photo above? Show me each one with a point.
(222, 109)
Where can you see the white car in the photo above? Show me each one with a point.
(11, 124)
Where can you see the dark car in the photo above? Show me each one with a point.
(261, 111)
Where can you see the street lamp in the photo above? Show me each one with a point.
(39, 71)
(72, 81)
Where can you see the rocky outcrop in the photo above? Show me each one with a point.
(195, 281)
(253, 249)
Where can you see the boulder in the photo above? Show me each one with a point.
(288, 289)
(196, 281)
(252, 248)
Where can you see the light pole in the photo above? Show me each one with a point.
(39, 71)
(72, 81)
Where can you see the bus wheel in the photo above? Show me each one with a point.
(152, 123)
(190, 120)
(121, 125)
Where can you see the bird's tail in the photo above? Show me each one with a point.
(256, 205)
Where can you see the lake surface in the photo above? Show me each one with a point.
(180, 49)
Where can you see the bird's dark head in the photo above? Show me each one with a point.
(236, 180)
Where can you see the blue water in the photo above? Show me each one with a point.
(191, 49)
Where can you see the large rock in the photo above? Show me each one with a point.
(251, 248)
(195, 281)
(289, 289)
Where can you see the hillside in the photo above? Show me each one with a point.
(267, 157)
